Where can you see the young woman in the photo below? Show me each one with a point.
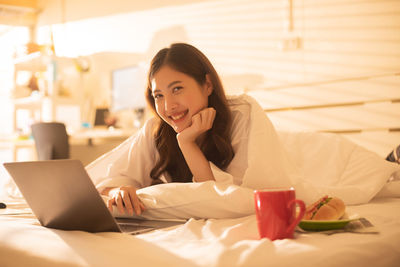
(197, 134)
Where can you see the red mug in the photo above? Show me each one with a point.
(276, 212)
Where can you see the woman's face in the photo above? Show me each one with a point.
(178, 97)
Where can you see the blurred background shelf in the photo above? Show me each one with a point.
(46, 88)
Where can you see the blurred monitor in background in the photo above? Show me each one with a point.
(128, 87)
(128, 91)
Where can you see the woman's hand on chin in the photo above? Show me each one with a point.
(201, 123)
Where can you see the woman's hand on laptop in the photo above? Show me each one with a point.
(125, 199)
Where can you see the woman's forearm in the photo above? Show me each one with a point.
(197, 162)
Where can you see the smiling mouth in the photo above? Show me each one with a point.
(179, 116)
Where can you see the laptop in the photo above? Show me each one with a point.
(62, 196)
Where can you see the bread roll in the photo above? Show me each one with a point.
(326, 208)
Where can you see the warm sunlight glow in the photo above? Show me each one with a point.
(12, 40)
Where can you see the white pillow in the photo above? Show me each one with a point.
(331, 165)
(195, 200)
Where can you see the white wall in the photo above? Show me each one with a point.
(340, 38)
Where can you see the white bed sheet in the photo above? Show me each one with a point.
(213, 242)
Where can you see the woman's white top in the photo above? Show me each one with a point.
(250, 128)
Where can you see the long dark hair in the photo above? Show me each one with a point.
(217, 146)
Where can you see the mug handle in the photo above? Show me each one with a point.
(299, 217)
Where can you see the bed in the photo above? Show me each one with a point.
(221, 229)
(199, 242)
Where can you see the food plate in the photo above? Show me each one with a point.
(311, 225)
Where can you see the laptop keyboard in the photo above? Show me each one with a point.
(129, 227)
